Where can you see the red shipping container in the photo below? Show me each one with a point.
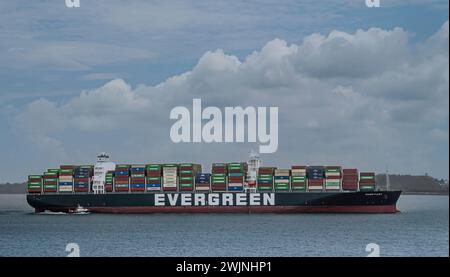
(186, 188)
(367, 174)
(108, 188)
(67, 167)
(363, 181)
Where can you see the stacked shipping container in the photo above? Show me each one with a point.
(203, 182)
(137, 178)
(121, 178)
(298, 178)
(219, 178)
(66, 178)
(315, 176)
(34, 184)
(282, 179)
(153, 179)
(265, 178)
(109, 183)
(236, 175)
(82, 178)
(187, 175)
(350, 179)
(333, 178)
(367, 181)
(170, 177)
(51, 180)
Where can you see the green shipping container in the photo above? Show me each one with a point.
(264, 188)
(137, 175)
(185, 185)
(366, 188)
(50, 186)
(299, 188)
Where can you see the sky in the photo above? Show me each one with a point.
(355, 86)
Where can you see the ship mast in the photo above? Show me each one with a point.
(388, 181)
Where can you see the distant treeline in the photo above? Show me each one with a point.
(406, 183)
(413, 184)
(16, 188)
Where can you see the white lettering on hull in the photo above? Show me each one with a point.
(214, 199)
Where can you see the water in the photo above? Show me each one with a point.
(421, 229)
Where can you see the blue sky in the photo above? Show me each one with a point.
(51, 53)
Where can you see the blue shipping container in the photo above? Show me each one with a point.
(236, 174)
(235, 188)
(81, 185)
(265, 181)
(153, 185)
(137, 185)
(125, 172)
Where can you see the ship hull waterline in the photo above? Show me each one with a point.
(220, 202)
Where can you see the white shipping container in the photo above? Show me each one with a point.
(282, 172)
(202, 188)
(170, 185)
(153, 188)
(298, 172)
(315, 187)
(169, 172)
(235, 184)
(327, 174)
(65, 188)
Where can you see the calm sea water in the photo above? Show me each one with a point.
(421, 229)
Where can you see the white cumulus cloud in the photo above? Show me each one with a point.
(357, 99)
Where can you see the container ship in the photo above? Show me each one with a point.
(236, 187)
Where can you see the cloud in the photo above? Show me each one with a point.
(100, 76)
(362, 54)
(72, 55)
(358, 99)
